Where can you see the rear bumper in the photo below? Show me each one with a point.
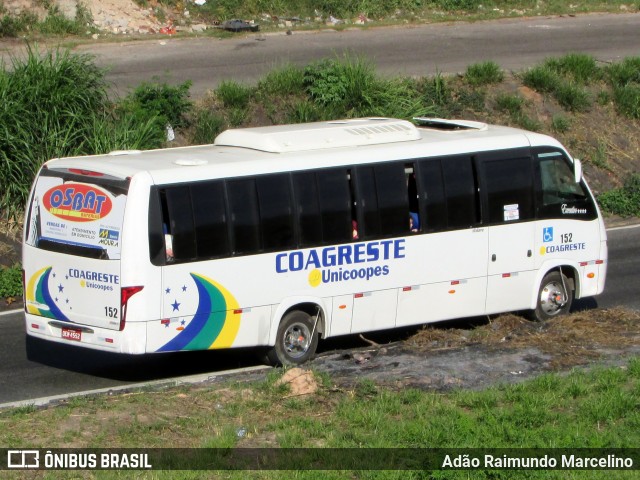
(132, 340)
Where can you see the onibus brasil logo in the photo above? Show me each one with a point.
(342, 263)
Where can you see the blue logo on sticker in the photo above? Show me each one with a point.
(107, 234)
(547, 234)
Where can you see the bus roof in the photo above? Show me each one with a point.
(258, 150)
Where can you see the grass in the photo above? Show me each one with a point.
(595, 408)
(485, 73)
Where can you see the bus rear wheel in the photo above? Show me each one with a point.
(555, 297)
(296, 340)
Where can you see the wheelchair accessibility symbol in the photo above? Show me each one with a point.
(547, 234)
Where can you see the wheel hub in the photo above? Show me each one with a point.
(552, 298)
(297, 340)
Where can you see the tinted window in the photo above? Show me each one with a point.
(180, 227)
(367, 203)
(308, 206)
(393, 198)
(209, 214)
(335, 205)
(508, 182)
(274, 197)
(463, 209)
(559, 196)
(432, 185)
(244, 216)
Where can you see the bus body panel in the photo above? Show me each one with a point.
(236, 300)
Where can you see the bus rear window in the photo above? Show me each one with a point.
(77, 215)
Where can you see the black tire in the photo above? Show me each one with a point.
(296, 340)
(555, 297)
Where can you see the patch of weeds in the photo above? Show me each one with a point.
(509, 103)
(233, 95)
(627, 100)
(345, 84)
(286, 80)
(599, 157)
(437, 93)
(580, 67)
(541, 78)
(366, 388)
(484, 73)
(303, 111)
(604, 98)
(528, 123)
(560, 123)
(625, 72)
(572, 97)
(206, 126)
(237, 116)
(464, 99)
(11, 281)
(624, 201)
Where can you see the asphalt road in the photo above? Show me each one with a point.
(409, 50)
(52, 369)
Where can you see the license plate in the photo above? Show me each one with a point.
(71, 334)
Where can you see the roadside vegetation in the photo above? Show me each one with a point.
(55, 104)
(584, 409)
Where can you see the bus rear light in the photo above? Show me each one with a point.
(88, 173)
(125, 294)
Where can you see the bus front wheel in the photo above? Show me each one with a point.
(554, 297)
(296, 340)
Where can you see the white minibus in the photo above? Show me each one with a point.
(278, 236)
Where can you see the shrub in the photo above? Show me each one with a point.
(580, 67)
(560, 124)
(511, 104)
(206, 127)
(624, 201)
(541, 78)
(572, 97)
(625, 72)
(10, 281)
(484, 73)
(168, 104)
(233, 95)
(627, 100)
(46, 101)
(287, 80)
(344, 84)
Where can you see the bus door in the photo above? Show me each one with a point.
(508, 204)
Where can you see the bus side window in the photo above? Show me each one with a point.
(335, 205)
(432, 195)
(177, 221)
(508, 179)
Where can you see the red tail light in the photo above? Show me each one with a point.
(125, 294)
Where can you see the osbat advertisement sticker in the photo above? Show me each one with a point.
(77, 202)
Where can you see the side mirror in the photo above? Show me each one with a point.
(577, 170)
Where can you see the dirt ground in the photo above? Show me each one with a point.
(505, 349)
